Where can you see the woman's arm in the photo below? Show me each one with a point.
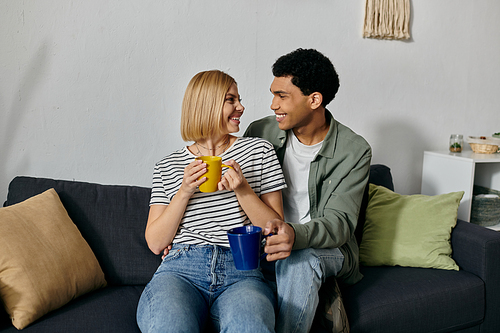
(164, 220)
(260, 214)
(259, 210)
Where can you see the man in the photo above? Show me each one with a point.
(326, 167)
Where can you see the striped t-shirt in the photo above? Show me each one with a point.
(209, 215)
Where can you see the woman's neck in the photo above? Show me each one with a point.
(212, 146)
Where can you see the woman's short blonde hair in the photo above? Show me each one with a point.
(202, 105)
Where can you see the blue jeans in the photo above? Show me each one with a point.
(298, 280)
(199, 283)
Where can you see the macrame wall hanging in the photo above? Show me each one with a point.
(387, 19)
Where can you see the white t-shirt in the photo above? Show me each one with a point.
(296, 165)
(209, 215)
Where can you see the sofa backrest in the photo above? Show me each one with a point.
(111, 218)
(379, 175)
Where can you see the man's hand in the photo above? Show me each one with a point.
(166, 251)
(279, 245)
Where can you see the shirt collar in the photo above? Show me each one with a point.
(330, 140)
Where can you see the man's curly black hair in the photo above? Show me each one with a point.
(311, 71)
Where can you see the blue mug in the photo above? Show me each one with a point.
(246, 244)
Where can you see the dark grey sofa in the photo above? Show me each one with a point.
(389, 299)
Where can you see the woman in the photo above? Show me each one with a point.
(197, 281)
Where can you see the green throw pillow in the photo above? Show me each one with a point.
(409, 230)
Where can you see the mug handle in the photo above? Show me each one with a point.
(227, 166)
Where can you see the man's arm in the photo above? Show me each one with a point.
(334, 228)
(340, 205)
(339, 187)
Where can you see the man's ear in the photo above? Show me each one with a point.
(316, 99)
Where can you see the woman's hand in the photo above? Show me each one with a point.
(190, 181)
(232, 179)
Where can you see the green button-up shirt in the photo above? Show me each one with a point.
(337, 179)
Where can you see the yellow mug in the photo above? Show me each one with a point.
(213, 174)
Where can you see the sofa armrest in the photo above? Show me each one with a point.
(477, 250)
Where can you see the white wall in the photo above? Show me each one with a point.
(91, 90)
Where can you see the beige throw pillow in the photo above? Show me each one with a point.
(44, 260)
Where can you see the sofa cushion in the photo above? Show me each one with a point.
(379, 175)
(409, 230)
(110, 310)
(44, 260)
(111, 218)
(406, 299)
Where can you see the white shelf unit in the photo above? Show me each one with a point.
(445, 172)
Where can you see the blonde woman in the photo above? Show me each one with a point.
(197, 283)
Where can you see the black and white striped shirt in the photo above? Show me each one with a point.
(209, 215)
